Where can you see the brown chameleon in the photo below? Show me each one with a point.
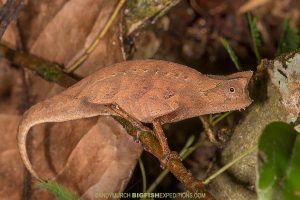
(149, 91)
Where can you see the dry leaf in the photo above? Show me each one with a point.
(108, 165)
(10, 79)
(58, 31)
(251, 5)
(12, 169)
(74, 27)
(10, 89)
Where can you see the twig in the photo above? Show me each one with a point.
(174, 164)
(187, 150)
(73, 66)
(163, 174)
(8, 12)
(228, 165)
(47, 70)
(140, 14)
(165, 10)
(208, 130)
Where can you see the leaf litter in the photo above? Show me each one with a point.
(84, 155)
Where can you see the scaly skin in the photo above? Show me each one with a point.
(148, 90)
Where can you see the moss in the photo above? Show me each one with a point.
(126, 125)
(49, 72)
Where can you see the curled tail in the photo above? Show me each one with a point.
(56, 109)
(23, 130)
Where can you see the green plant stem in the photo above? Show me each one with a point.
(157, 181)
(57, 190)
(144, 177)
(255, 35)
(290, 39)
(188, 143)
(228, 165)
(220, 118)
(191, 150)
(231, 52)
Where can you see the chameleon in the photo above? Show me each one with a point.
(148, 91)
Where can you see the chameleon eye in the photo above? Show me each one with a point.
(231, 89)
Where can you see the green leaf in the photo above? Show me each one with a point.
(279, 163)
(256, 40)
(231, 53)
(57, 190)
(290, 39)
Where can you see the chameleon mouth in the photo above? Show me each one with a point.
(246, 101)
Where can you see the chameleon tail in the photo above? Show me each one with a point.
(23, 129)
(56, 109)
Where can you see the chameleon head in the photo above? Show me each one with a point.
(229, 93)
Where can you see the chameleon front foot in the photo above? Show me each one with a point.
(160, 135)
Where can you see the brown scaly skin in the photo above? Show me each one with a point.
(147, 90)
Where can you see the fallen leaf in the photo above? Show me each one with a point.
(58, 31)
(108, 162)
(71, 29)
(251, 5)
(12, 169)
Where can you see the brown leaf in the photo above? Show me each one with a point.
(10, 79)
(8, 12)
(58, 31)
(100, 161)
(11, 170)
(106, 165)
(10, 89)
(74, 27)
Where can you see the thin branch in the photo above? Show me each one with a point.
(9, 12)
(47, 70)
(174, 164)
(78, 62)
(165, 172)
(208, 130)
(228, 165)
